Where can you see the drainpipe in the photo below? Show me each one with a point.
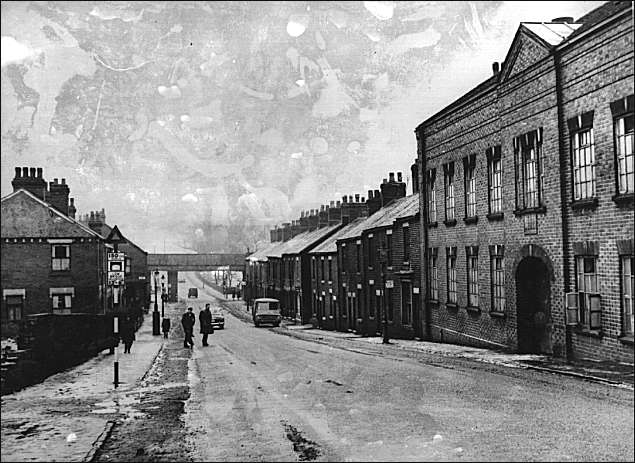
(562, 151)
(423, 207)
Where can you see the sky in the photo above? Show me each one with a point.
(199, 125)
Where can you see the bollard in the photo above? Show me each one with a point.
(116, 323)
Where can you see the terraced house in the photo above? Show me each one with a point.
(527, 195)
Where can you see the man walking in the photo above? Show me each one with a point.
(188, 320)
(205, 318)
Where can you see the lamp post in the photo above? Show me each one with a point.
(155, 313)
(162, 296)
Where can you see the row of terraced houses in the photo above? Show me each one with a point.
(518, 232)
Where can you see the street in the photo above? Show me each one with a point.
(260, 396)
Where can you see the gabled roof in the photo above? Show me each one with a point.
(552, 33)
(24, 215)
(261, 254)
(330, 244)
(304, 241)
(384, 217)
(105, 230)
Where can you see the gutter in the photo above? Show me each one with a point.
(423, 198)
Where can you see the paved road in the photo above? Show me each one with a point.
(260, 396)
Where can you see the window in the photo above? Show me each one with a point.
(434, 275)
(371, 302)
(497, 271)
(62, 303)
(627, 294)
(449, 191)
(623, 122)
(451, 269)
(583, 164)
(378, 305)
(14, 308)
(472, 276)
(527, 153)
(389, 306)
(313, 268)
(406, 243)
(389, 247)
(406, 303)
(61, 257)
(359, 257)
(624, 153)
(469, 168)
(371, 251)
(432, 197)
(127, 266)
(495, 179)
(330, 270)
(322, 274)
(587, 286)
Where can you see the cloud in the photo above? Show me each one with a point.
(423, 39)
(381, 10)
(13, 51)
(189, 198)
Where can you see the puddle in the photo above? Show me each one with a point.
(307, 450)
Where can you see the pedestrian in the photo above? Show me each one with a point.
(165, 326)
(188, 320)
(205, 318)
(127, 334)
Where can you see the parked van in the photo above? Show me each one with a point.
(266, 311)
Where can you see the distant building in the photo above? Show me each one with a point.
(527, 196)
(50, 262)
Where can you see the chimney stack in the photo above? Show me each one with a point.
(304, 221)
(335, 213)
(31, 182)
(323, 218)
(272, 235)
(97, 220)
(374, 201)
(414, 169)
(71, 208)
(286, 231)
(392, 189)
(313, 220)
(58, 195)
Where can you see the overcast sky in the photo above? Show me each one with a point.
(185, 120)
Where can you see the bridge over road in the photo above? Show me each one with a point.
(174, 263)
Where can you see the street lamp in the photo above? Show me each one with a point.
(162, 296)
(155, 313)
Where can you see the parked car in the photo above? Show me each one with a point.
(266, 311)
(218, 319)
(192, 292)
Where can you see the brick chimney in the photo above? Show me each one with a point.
(278, 233)
(30, 181)
(392, 189)
(374, 201)
(286, 231)
(414, 170)
(272, 235)
(335, 213)
(304, 221)
(313, 219)
(71, 208)
(323, 217)
(97, 220)
(58, 195)
(351, 210)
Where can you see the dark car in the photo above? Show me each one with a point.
(218, 319)
(192, 292)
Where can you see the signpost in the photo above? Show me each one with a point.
(117, 280)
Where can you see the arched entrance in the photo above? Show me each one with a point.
(533, 311)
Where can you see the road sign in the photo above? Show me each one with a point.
(116, 256)
(116, 268)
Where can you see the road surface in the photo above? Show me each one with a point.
(258, 396)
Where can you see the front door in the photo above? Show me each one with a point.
(533, 307)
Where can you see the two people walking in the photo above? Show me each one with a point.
(188, 321)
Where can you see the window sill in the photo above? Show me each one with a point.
(451, 306)
(589, 203)
(433, 224)
(495, 216)
(497, 314)
(531, 210)
(627, 340)
(450, 223)
(590, 333)
(470, 220)
(472, 309)
(60, 272)
(622, 199)
(433, 302)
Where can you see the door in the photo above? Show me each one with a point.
(533, 319)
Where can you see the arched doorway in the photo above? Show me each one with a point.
(533, 311)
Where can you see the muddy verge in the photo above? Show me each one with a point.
(157, 432)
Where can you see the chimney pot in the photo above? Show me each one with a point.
(17, 172)
(495, 67)
(370, 194)
(344, 199)
(55, 181)
(63, 181)
(357, 198)
(338, 204)
(32, 172)
(384, 181)
(399, 177)
(563, 19)
(39, 172)
(332, 204)
(350, 198)
(391, 177)
(363, 200)
(25, 172)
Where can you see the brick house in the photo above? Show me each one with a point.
(527, 195)
(137, 278)
(51, 263)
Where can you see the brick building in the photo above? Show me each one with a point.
(527, 195)
(51, 263)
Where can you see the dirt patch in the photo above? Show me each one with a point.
(307, 450)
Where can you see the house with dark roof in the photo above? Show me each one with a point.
(51, 263)
(527, 196)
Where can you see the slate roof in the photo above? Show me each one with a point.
(552, 33)
(400, 208)
(330, 244)
(261, 254)
(24, 215)
(301, 242)
(599, 14)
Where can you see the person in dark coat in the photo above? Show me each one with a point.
(188, 320)
(165, 326)
(127, 334)
(205, 318)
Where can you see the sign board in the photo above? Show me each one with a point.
(115, 278)
(116, 256)
(390, 284)
(116, 268)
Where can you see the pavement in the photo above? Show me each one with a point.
(615, 373)
(68, 415)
